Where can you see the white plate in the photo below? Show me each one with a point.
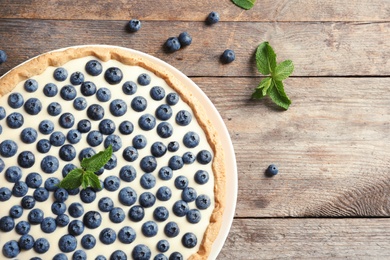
(215, 118)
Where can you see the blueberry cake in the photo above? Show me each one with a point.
(163, 189)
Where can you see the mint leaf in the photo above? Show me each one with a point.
(92, 180)
(97, 161)
(73, 180)
(283, 70)
(265, 58)
(245, 4)
(278, 95)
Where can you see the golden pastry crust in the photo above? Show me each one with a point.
(39, 64)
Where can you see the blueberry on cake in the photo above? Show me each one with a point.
(160, 193)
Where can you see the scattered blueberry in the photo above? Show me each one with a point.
(172, 99)
(272, 170)
(183, 118)
(175, 162)
(157, 93)
(13, 174)
(149, 229)
(180, 208)
(171, 229)
(57, 138)
(185, 39)
(165, 173)
(54, 109)
(147, 181)
(86, 153)
(107, 126)
(66, 120)
(147, 199)
(107, 236)
(163, 245)
(118, 107)
(203, 202)
(60, 256)
(158, 149)
(22, 227)
(80, 103)
(41, 194)
(49, 164)
(105, 204)
(136, 213)
(141, 252)
(93, 67)
(113, 140)
(15, 120)
(62, 220)
(26, 159)
(43, 146)
(112, 183)
(188, 158)
(16, 211)
(84, 126)
(160, 213)
(164, 193)
(19, 189)
(88, 241)
(212, 18)
(191, 139)
(92, 219)
(134, 25)
(147, 122)
(228, 56)
(73, 136)
(130, 154)
(60, 74)
(138, 104)
(113, 75)
(75, 210)
(77, 78)
(201, 177)
(139, 141)
(33, 180)
(193, 216)
(129, 87)
(127, 173)
(41, 245)
(2, 113)
(15, 100)
(144, 79)
(172, 44)
(163, 112)
(94, 138)
(28, 202)
(126, 235)
(35, 216)
(33, 106)
(79, 255)
(117, 215)
(67, 152)
(48, 225)
(46, 127)
(95, 112)
(7, 223)
(76, 227)
(87, 195)
(126, 128)
(148, 164)
(127, 196)
(10, 248)
(164, 130)
(189, 240)
(204, 157)
(103, 94)
(51, 183)
(50, 90)
(173, 146)
(67, 243)
(68, 92)
(188, 194)
(61, 195)
(5, 194)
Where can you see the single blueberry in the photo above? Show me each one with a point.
(189, 240)
(165, 173)
(147, 181)
(92, 219)
(158, 149)
(112, 183)
(84, 126)
(19, 189)
(204, 157)
(68, 92)
(164, 130)
(147, 122)
(46, 127)
(33, 180)
(50, 90)
(144, 79)
(88, 88)
(54, 109)
(41, 194)
(130, 154)
(87, 195)
(61, 195)
(5, 194)
(67, 152)
(172, 44)
(163, 245)
(157, 93)
(88, 241)
(48, 225)
(105, 204)
(62, 220)
(13, 174)
(60, 74)
(57, 138)
(147, 199)
(189, 194)
(272, 170)
(103, 94)
(118, 107)
(180, 208)
(15, 120)
(126, 235)
(160, 214)
(67, 243)
(188, 158)
(173, 146)
(201, 177)
(15, 100)
(127, 173)
(203, 201)
(117, 215)
(107, 236)
(93, 67)
(33, 106)
(127, 196)
(51, 183)
(3, 56)
(76, 210)
(139, 104)
(43, 146)
(148, 164)
(175, 162)
(94, 138)
(191, 139)
(149, 229)
(163, 112)
(22, 227)
(16, 211)
(26, 159)
(7, 223)
(134, 25)
(10, 248)
(113, 140)
(171, 229)
(95, 112)
(66, 120)
(35, 216)
(185, 39)
(212, 18)
(26, 242)
(76, 227)
(164, 193)
(58, 208)
(49, 164)
(172, 99)
(139, 141)
(113, 75)
(129, 87)
(77, 78)
(80, 103)
(228, 56)
(136, 213)
(86, 153)
(28, 202)
(126, 128)
(107, 126)
(183, 118)
(141, 252)
(73, 136)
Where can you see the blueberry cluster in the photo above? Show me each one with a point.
(62, 131)
(175, 43)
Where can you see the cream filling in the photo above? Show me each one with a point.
(130, 73)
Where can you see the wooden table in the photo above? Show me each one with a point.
(331, 198)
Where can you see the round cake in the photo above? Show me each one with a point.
(162, 190)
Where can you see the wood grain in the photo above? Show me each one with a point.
(308, 239)
(317, 49)
(176, 10)
(331, 146)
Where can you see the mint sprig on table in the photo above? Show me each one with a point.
(85, 176)
(245, 4)
(273, 84)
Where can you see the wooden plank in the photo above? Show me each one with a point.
(317, 49)
(331, 146)
(266, 10)
(308, 239)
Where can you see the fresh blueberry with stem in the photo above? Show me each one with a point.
(139, 141)
(185, 39)
(212, 18)
(134, 25)
(66, 120)
(32, 106)
(183, 118)
(61, 195)
(228, 56)
(147, 122)
(172, 44)
(272, 170)
(33, 180)
(181, 182)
